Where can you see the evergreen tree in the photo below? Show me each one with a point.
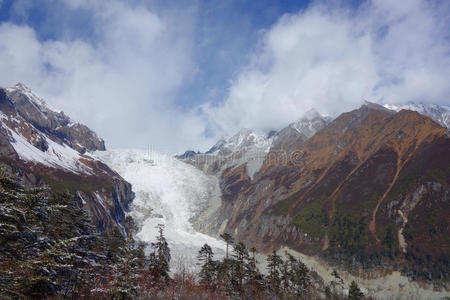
(224, 277)
(328, 293)
(255, 278)
(128, 267)
(273, 278)
(208, 266)
(337, 278)
(299, 275)
(354, 293)
(241, 257)
(286, 277)
(160, 258)
(46, 242)
(228, 240)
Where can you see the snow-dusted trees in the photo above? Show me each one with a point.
(48, 248)
(45, 242)
(354, 293)
(208, 271)
(160, 258)
(274, 263)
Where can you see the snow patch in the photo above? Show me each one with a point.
(440, 114)
(59, 156)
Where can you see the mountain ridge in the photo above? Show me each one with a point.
(306, 195)
(45, 147)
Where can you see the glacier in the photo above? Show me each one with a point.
(170, 192)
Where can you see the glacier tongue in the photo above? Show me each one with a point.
(169, 192)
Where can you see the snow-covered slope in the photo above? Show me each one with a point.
(40, 104)
(310, 123)
(440, 114)
(170, 192)
(51, 155)
(245, 147)
(244, 140)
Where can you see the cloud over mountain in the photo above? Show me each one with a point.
(124, 66)
(330, 58)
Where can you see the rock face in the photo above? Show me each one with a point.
(53, 122)
(246, 148)
(372, 185)
(44, 146)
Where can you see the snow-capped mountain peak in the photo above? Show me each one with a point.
(242, 140)
(33, 98)
(440, 114)
(310, 123)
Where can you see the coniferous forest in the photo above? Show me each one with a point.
(48, 249)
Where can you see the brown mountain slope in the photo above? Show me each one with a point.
(356, 187)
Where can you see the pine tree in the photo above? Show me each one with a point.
(55, 238)
(208, 266)
(299, 275)
(354, 292)
(126, 275)
(160, 258)
(328, 293)
(255, 278)
(241, 257)
(273, 278)
(228, 240)
(225, 278)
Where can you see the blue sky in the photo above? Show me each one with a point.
(225, 32)
(181, 74)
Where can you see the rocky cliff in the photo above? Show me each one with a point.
(45, 147)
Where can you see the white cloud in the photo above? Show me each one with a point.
(123, 81)
(123, 84)
(332, 58)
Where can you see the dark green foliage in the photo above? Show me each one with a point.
(354, 293)
(273, 278)
(46, 242)
(241, 258)
(208, 272)
(312, 218)
(348, 233)
(286, 279)
(160, 258)
(389, 242)
(328, 293)
(49, 248)
(228, 240)
(297, 275)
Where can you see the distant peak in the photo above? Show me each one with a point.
(244, 131)
(439, 113)
(312, 114)
(25, 90)
(375, 106)
(22, 86)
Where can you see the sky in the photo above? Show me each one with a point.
(179, 75)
